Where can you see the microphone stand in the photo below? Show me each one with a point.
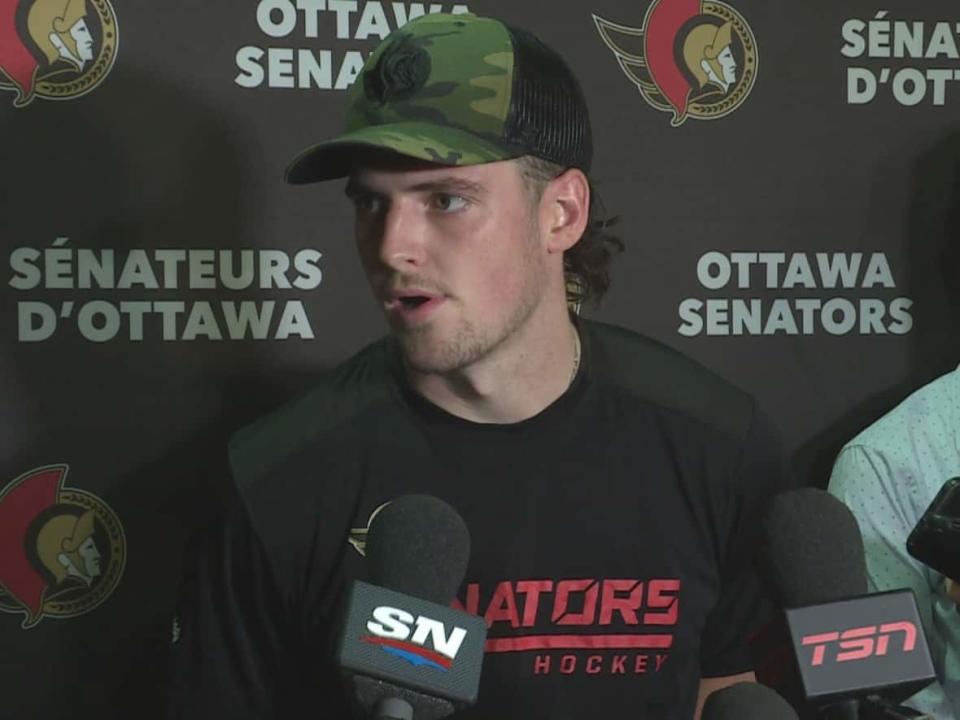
(876, 708)
(843, 710)
(393, 709)
(868, 708)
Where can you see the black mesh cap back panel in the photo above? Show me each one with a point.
(548, 114)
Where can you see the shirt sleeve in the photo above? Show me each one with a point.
(743, 605)
(232, 640)
(887, 506)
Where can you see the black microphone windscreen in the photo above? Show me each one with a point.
(418, 545)
(811, 550)
(747, 701)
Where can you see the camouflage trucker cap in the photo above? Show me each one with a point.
(458, 90)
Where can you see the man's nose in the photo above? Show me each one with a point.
(402, 237)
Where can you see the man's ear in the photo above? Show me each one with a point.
(565, 209)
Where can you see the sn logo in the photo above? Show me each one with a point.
(395, 624)
(862, 642)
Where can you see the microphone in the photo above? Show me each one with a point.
(811, 551)
(409, 654)
(935, 538)
(746, 701)
(836, 651)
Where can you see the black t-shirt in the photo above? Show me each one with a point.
(611, 538)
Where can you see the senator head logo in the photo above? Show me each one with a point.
(691, 58)
(55, 49)
(63, 549)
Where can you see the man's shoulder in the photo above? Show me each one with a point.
(932, 413)
(658, 374)
(339, 395)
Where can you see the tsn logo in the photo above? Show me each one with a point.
(400, 633)
(861, 642)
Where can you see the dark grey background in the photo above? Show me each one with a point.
(169, 152)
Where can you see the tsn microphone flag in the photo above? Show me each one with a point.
(412, 643)
(851, 648)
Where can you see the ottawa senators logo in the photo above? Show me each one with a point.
(358, 536)
(62, 550)
(693, 58)
(55, 49)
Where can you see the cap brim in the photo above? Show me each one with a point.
(420, 140)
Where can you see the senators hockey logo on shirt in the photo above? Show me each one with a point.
(584, 626)
(55, 49)
(691, 58)
(63, 549)
(580, 626)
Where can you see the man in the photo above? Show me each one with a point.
(608, 483)
(888, 475)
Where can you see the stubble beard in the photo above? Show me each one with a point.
(470, 342)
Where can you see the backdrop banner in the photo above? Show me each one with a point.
(786, 201)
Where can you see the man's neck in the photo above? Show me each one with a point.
(514, 382)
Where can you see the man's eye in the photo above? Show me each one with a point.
(445, 202)
(368, 204)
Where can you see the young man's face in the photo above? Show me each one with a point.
(453, 255)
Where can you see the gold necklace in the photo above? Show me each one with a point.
(576, 356)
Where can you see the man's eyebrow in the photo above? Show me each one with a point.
(449, 184)
(355, 188)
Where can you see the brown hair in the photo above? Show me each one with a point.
(586, 264)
